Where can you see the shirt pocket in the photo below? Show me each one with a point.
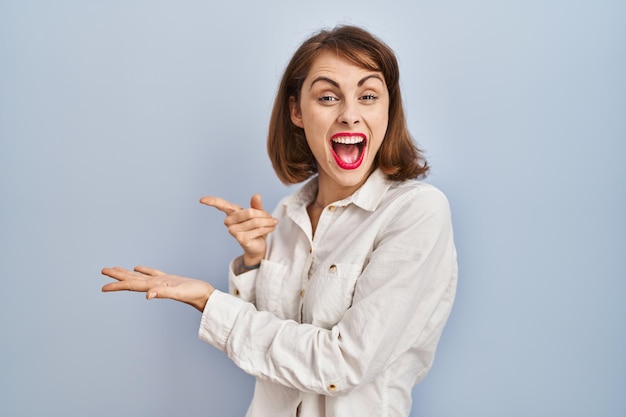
(331, 291)
(269, 283)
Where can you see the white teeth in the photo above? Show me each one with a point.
(348, 140)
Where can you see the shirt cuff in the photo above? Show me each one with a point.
(218, 319)
(242, 285)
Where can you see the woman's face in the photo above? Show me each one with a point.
(344, 111)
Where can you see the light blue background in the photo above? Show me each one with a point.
(116, 116)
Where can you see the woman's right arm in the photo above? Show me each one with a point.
(249, 227)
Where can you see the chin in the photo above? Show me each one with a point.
(353, 177)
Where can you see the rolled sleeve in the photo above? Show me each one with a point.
(218, 319)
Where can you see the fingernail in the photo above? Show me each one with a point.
(151, 295)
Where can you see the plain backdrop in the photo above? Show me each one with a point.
(117, 116)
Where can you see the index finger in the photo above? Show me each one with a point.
(220, 204)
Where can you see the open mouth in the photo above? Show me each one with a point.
(348, 149)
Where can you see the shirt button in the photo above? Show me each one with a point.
(236, 291)
(331, 208)
(302, 293)
(332, 387)
(333, 268)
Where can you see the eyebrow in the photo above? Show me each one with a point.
(336, 84)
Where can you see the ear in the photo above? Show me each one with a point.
(295, 113)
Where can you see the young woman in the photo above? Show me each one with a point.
(339, 299)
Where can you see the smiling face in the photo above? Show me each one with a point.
(344, 111)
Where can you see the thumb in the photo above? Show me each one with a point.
(153, 294)
(256, 203)
(159, 292)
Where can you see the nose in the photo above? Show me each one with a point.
(349, 115)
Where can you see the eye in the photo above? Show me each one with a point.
(369, 97)
(327, 99)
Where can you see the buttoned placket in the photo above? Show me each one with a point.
(323, 224)
(304, 281)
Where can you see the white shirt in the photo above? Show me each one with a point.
(344, 323)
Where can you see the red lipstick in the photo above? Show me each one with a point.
(348, 149)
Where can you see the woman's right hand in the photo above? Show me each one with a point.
(249, 227)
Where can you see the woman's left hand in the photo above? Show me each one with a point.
(157, 284)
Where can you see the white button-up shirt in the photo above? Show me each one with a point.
(345, 322)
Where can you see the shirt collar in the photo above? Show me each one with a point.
(367, 197)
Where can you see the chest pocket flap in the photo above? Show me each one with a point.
(330, 293)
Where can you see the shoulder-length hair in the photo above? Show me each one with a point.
(293, 161)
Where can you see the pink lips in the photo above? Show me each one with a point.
(348, 138)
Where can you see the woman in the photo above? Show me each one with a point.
(339, 299)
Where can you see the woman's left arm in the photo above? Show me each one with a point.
(158, 284)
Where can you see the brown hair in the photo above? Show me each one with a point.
(293, 161)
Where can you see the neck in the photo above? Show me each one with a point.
(329, 191)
